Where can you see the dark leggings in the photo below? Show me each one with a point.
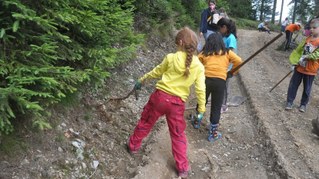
(215, 88)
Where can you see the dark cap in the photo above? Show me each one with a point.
(211, 1)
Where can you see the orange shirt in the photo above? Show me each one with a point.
(216, 65)
(293, 27)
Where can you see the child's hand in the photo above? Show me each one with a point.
(200, 116)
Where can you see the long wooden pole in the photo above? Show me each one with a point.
(256, 53)
(281, 81)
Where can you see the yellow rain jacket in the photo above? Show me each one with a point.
(171, 71)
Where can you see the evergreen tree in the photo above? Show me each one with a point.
(241, 9)
(263, 9)
(51, 47)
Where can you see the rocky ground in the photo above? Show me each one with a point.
(260, 139)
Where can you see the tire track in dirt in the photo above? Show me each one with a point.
(279, 125)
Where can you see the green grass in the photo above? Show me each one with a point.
(252, 25)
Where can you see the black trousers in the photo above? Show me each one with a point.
(215, 88)
(288, 39)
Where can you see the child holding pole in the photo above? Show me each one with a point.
(305, 59)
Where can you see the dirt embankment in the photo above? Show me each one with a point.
(260, 139)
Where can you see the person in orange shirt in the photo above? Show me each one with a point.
(216, 59)
(305, 69)
(290, 29)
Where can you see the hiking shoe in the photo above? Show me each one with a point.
(224, 109)
(289, 106)
(213, 136)
(132, 152)
(196, 124)
(183, 174)
(302, 108)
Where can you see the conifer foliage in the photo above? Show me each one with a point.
(48, 48)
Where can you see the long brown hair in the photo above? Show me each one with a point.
(189, 44)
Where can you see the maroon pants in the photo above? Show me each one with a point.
(159, 104)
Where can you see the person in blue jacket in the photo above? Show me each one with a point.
(209, 19)
(263, 27)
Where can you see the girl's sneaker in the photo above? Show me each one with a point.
(302, 108)
(288, 106)
(224, 108)
(213, 136)
(213, 133)
(132, 152)
(184, 174)
(196, 123)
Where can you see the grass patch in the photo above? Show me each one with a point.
(88, 116)
(59, 138)
(252, 25)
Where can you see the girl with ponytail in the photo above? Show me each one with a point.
(176, 73)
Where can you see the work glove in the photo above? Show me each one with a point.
(229, 74)
(200, 116)
(138, 85)
(292, 68)
(196, 123)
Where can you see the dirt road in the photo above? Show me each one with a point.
(260, 139)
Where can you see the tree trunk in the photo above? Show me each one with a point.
(294, 13)
(274, 12)
(261, 18)
(282, 7)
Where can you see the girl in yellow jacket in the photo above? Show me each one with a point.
(216, 59)
(177, 72)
